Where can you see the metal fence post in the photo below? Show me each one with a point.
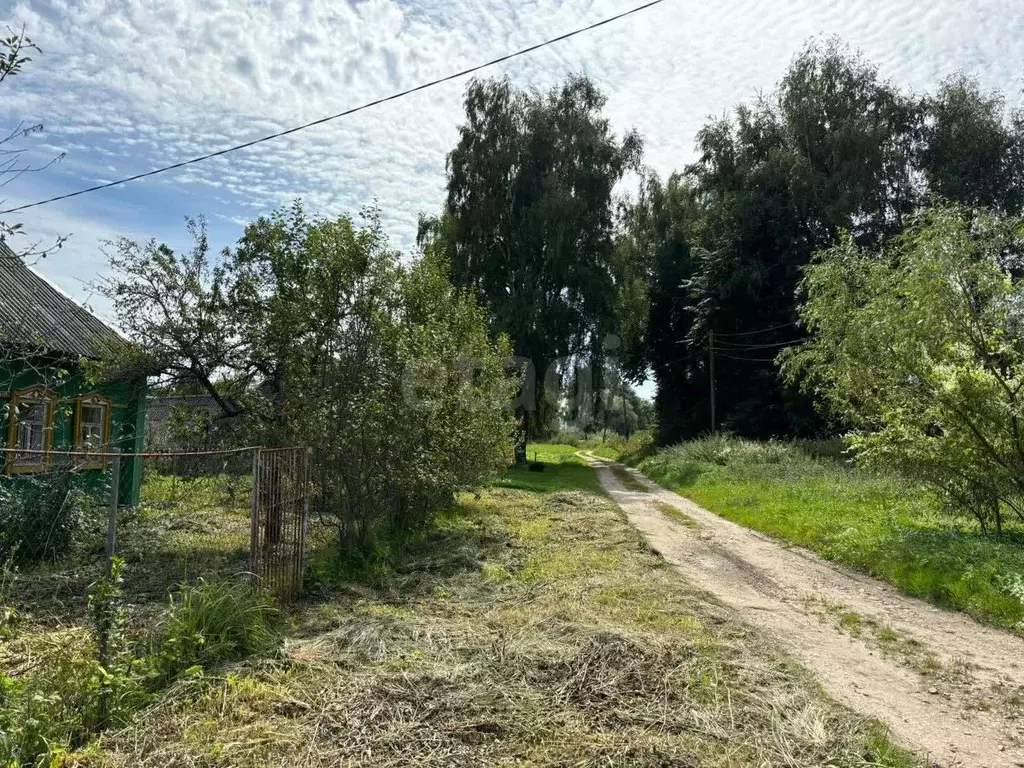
(115, 492)
(307, 491)
(254, 535)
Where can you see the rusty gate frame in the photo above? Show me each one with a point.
(281, 489)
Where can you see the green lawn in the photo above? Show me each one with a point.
(806, 494)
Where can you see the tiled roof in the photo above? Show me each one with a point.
(36, 315)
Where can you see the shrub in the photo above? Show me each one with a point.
(919, 348)
(568, 436)
(414, 406)
(630, 450)
(316, 333)
(40, 516)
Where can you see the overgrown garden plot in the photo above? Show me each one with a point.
(81, 653)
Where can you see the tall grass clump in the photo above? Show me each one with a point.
(629, 450)
(774, 459)
(210, 623)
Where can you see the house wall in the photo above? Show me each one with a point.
(127, 417)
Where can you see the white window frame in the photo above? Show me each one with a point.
(38, 460)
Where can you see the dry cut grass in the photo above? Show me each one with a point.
(528, 628)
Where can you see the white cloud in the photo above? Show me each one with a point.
(126, 85)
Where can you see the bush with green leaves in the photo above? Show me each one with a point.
(920, 347)
(40, 516)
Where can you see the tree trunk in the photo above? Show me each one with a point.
(272, 500)
(520, 438)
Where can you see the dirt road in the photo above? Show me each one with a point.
(947, 687)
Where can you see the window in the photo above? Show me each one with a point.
(31, 429)
(92, 429)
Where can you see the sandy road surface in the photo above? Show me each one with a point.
(946, 686)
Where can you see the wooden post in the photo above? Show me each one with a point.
(307, 490)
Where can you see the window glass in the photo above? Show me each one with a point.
(92, 430)
(92, 425)
(32, 418)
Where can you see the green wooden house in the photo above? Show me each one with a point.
(52, 418)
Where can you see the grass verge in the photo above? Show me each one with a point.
(564, 469)
(805, 494)
(531, 626)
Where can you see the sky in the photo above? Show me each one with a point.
(122, 86)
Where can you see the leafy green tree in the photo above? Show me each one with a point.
(175, 307)
(919, 346)
(613, 405)
(312, 332)
(834, 149)
(831, 151)
(655, 263)
(529, 221)
(972, 154)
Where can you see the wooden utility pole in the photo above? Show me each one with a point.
(711, 377)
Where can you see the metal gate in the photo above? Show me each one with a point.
(280, 511)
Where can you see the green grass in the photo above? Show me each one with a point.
(184, 529)
(629, 481)
(805, 494)
(676, 515)
(563, 470)
(532, 625)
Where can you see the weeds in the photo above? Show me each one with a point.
(638, 446)
(185, 528)
(39, 519)
(60, 689)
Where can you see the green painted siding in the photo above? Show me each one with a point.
(127, 416)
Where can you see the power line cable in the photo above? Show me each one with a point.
(751, 333)
(743, 347)
(746, 359)
(681, 359)
(347, 112)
